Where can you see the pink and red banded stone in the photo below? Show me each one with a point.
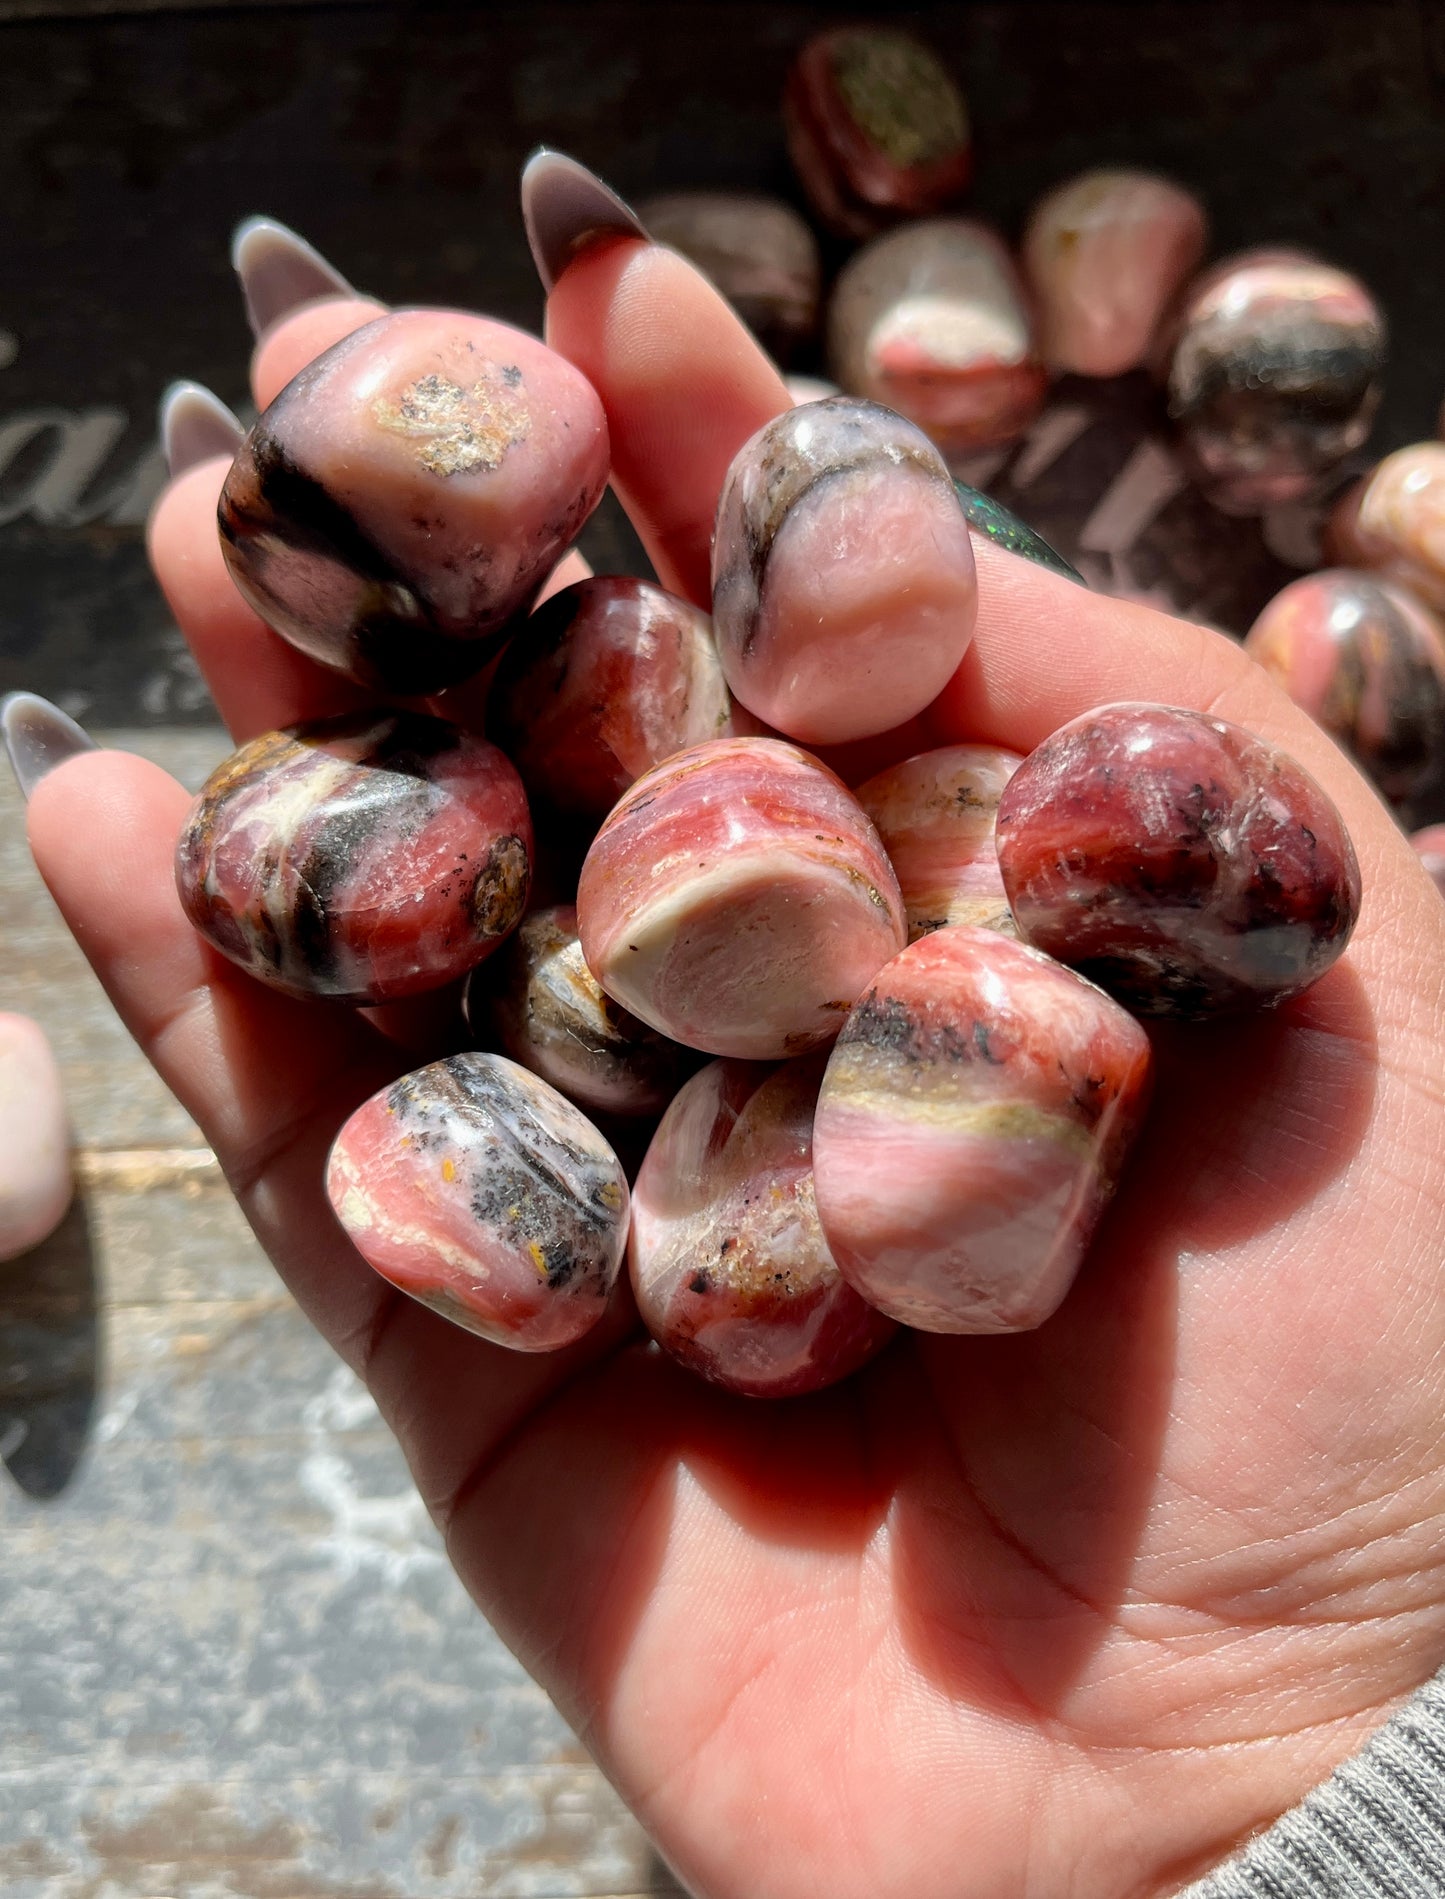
(1367, 661)
(409, 491)
(738, 900)
(605, 680)
(1178, 861)
(933, 321)
(363, 858)
(935, 814)
(844, 591)
(972, 1125)
(877, 129)
(729, 1266)
(552, 1015)
(479, 1191)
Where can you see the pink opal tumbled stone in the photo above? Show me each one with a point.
(935, 814)
(35, 1173)
(409, 491)
(971, 1128)
(1274, 376)
(1180, 862)
(604, 681)
(729, 1266)
(1104, 254)
(1366, 660)
(480, 1191)
(844, 591)
(932, 320)
(363, 858)
(738, 900)
(877, 128)
(552, 1015)
(1393, 522)
(1429, 847)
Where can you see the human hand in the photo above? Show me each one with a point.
(1066, 1612)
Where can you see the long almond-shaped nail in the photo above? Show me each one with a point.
(989, 517)
(38, 737)
(279, 271)
(196, 425)
(565, 208)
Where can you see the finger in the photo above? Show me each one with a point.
(684, 386)
(256, 678)
(270, 1080)
(296, 340)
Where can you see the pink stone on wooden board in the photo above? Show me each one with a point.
(1366, 660)
(935, 813)
(481, 1192)
(932, 320)
(408, 493)
(1430, 849)
(738, 900)
(757, 251)
(362, 858)
(604, 681)
(552, 1015)
(971, 1129)
(877, 128)
(1393, 521)
(35, 1176)
(729, 1266)
(844, 591)
(1274, 376)
(1104, 253)
(1178, 861)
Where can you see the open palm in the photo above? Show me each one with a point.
(1068, 1613)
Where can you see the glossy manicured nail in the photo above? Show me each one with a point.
(279, 271)
(38, 737)
(565, 208)
(1007, 531)
(194, 426)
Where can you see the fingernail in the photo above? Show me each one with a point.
(38, 737)
(565, 208)
(194, 426)
(279, 271)
(1007, 531)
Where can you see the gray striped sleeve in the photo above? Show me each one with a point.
(1374, 1830)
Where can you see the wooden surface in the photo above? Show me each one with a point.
(233, 1661)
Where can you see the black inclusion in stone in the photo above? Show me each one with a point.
(1007, 531)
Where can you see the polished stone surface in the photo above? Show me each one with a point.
(362, 858)
(971, 1128)
(1275, 366)
(729, 1266)
(551, 1014)
(1178, 861)
(605, 680)
(1367, 660)
(480, 1191)
(760, 254)
(844, 591)
(935, 813)
(1104, 253)
(933, 321)
(1006, 530)
(877, 128)
(1393, 521)
(35, 1176)
(739, 900)
(409, 492)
